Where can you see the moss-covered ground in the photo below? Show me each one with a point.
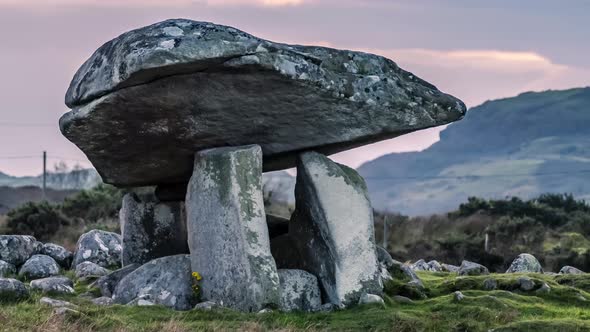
(565, 308)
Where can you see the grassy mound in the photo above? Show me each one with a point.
(507, 308)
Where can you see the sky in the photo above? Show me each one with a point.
(476, 50)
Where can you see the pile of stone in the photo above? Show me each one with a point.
(199, 111)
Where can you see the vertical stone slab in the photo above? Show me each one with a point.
(228, 236)
(151, 229)
(333, 226)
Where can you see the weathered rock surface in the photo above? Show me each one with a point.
(12, 289)
(228, 236)
(449, 267)
(6, 269)
(526, 284)
(39, 266)
(103, 301)
(165, 281)
(151, 229)
(468, 268)
(56, 303)
(186, 80)
(61, 255)
(333, 226)
(490, 284)
(99, 247)
(422, 265)
(58, 285)
(16, 249)
(564, 270)
(525, 263)
(299, 291)
(370, 299)
(90, 269)
(108, 283)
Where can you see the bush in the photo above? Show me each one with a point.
(40, 220)
(100, 203)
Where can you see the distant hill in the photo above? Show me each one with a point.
(72, 180)
(522, 146)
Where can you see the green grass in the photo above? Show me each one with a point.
(504, 309)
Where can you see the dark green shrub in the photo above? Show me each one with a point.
(40, 220)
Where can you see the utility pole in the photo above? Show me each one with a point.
(44, 174)
(385, 232)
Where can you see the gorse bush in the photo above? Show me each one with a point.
(38, 219)
(101, 202)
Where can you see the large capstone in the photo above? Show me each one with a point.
(151, 229)
(165, 281)
(147, 99)
(16, 249)
(333, 226)
(99, 247)
(228, 236)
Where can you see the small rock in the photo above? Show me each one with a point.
(39, 266)
(490, 284)
(141, 302)
(383, 257)
(103, 301)
(12, 289)
(370, 299)
(60, 254)
(17, 249)
(526, 284)
(449, 268)
(420, 265)
(570, 270)
(434, 266)
(265, 311)
(90, 269)
(56, 303)
(107, 283)
(544, 289)
(99, 247)
(206, 306)
(299, 290)
(6, 269)
(60, 285)
(328, 307)
(402, 299)
(458, 296)
(525, 263)
(472, 269)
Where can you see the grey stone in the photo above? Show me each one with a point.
(329, 307)
(61, 255)
(103, 301)
(299, 291)
(402, 299)
(12, 289)
(458, 296)
(564, 270)
(63, 311)
(6, 269)
(228, 236)
(468, 268)
(206, 306)
(56, 303)
(165, 281)
(490, 284)
(90, 269)
(370, 299)
(108, 283)
(526, 284)
(333, 226)
(151, 229)
(54, 285)
(277, 226)
(449, 268)
(525, 263)
(17, 249)
(420, 265)
(39, 266)
(383, 257)
(265, 311)
(544, 289)
(99, 247)
(187, 80)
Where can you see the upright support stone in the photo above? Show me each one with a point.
(151, 229)
(333, 225)
(228, 236)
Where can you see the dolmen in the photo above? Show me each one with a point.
(199, 111)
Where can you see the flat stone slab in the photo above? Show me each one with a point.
(147, 100)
